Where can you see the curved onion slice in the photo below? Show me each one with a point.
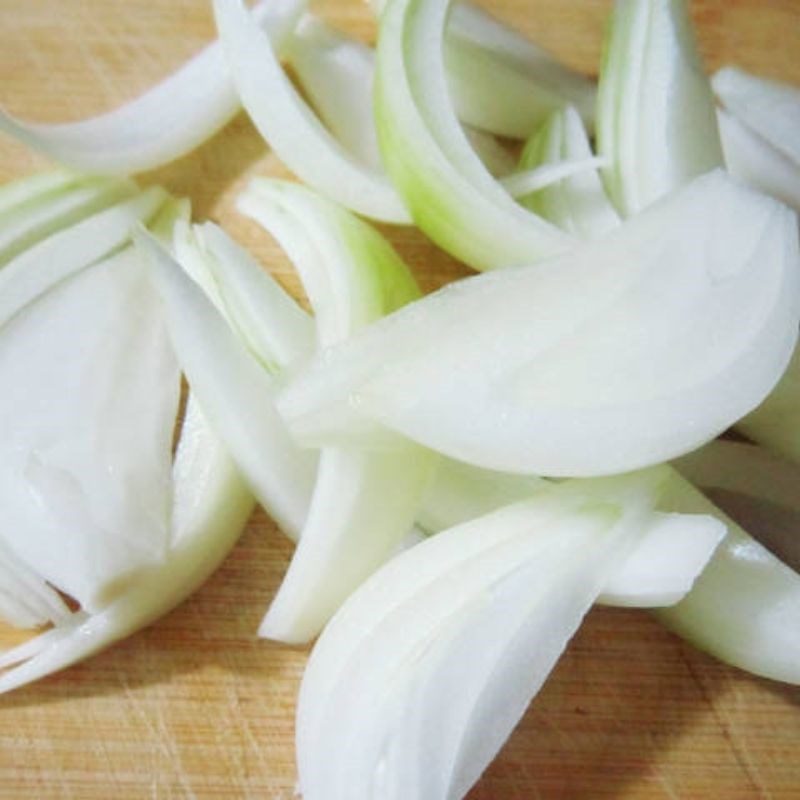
(449, 192)
(578, 203)
(291, 128)
(165, 123)
(261, 313)
(669, 555)
(769, 108)
(235, 392)
(337, 73)
(210, 507)
(745, 606)
(423, 673)
(502, 82)
(655, 115)
(631, 350)
(36, 270)
(755, 161)
(364, 502)
(32, 221)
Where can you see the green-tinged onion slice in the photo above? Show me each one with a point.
(578, 203)
(451, 195)
(364, 502)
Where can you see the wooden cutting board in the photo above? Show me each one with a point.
(195, 706)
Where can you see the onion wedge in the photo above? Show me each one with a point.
(633, 349)
(264, 317)
(364, 502)
(86, 478)
(423, 673)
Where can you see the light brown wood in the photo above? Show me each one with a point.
(195, 706)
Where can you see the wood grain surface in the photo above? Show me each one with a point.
(195, 706)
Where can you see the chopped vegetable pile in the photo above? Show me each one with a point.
(465, 472)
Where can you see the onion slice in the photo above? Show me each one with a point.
(502, 82)
(664, 564)
(235, 393)
(211, 504)
(337, 73)
(165, 123)
(449, 192)
(34, 271)
(87, 478)
(291, 128)
(578, 204)
(655, 115)
(633, 349)
(364, 502)
(421, 676)
(745, 607)
(262, 314)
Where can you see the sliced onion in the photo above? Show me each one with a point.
(655, 115)
(35, 271)
(579, 203)
(31, 222)
(419, 678)
(669, 555)
(291, 128)
(235, 393)
(628, 351)
(84, 480)
(337, 73)
(745, 607)
(502, 82)
(449, 192)
(364, 502)
(165, 123)
(210, 507)
(262, 314)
